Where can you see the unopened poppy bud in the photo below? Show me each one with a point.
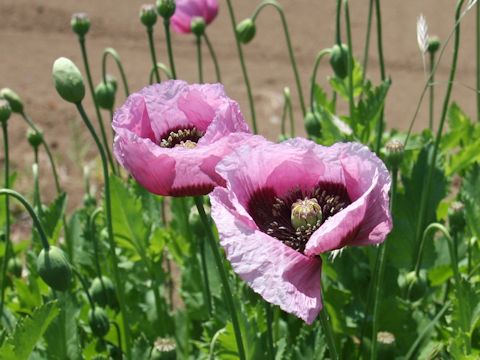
(415, 285)
(13, 99)
(433, 44)
(54, 268)
(339, 60)
(306, 213)
(112, 81)
(246, 30)
(35, 138)
(198, 25)
(166, 8)
(68, 80)
(148, 16)
(105, 95)
(312, 124)
(386, 345)
(5, 110)
(456, 217)
(80, 23)
(394, 153)
(98, 321)
(103, 295)
(14, 267)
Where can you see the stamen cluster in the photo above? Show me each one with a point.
(183, 137)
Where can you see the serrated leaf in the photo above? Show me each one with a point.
(52, 217)
(341, 86)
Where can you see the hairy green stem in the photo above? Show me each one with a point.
(351, 100)
(269, 320)
(338, 13)
(162, 67)
(198, 43)
(478, 60)
(113, 53)
(431, 87)
(214, 57)
(84, 287)
(381, 122)
(153, 54)
(166, 24)
(313, 78)
(367, 40)
(119, 335)
(328, 332)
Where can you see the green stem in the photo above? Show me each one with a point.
(91, 222)
(153, 53)
(162, 67)
(223, 276)
(207, 294)
(244, 68)
(119, 335)
(351, 101)
(338, 35)
(431, 87)
(269, 319)
(381, 122)
(198, 42)
(478, 60)
(328, 332)
(166, 24)
(313, 78)
(113, 53)
(103, 134)
(367, 40)
(291, 54)
(214, 57)
(84, 286)
(111, 240)
(37, 202)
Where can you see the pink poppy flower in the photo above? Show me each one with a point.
(186, 10)
(284, 204)
(170, 136)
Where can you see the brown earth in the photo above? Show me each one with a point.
(34, 33)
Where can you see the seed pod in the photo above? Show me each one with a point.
(68, 80)
(54, 268)
(339, 60)
(103, 297)
(312, 124)
(433, 44)
(13, 99)
(98, 321)
(105, 95)
(148, 16)
(80, 24)
(394, 151)
(35, 138)
(246, 30)
(198, 25)
(166, 8)
(5, 110)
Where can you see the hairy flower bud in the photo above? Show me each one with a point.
(5, 110)
(306, 213)
(312, 124)
(246, 30)
(54, 268)
(80, 23)
(339, 60)
(98, 321)
(198, 25)
(166, 8)
(105, 95)
(35, 138)
(433, 44)
(13, 99)
(68, 80)
(394, 153)
(103, 295)
(148, 16)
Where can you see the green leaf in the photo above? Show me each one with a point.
(342, 86)
(52, 217)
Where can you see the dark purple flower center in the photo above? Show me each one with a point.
(186, 137)
(281, 216)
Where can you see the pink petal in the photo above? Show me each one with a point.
(186, 10)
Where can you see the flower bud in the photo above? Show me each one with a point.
(14, 267)
(80, 23)
(103, 297)
(339, 60)
(415, 285)
(433, 44)
(456, 217)
(148, 16)
(98, 321)
(166, 8)
(306, 213)
(112, 81)
(394, 153)
(54, 268)
(89, 200)
(312, 124)
(35, 138)
(5, 110)
(198, 25)
(13, 99)
(105, 95)
(68, 80)
(246, 30)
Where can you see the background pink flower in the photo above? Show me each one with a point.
(170, 136)
(186, 10)
(346, 185)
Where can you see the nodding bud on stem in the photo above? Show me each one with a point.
(68, 80)
(456, 217)
(5, 110)
(394, 152)
(35, 138)
(14, 267)
(103, 294)
(433, 44)
(80, 24)
(246, 30)
(98, 321)
(54, 268)
(105, 95)
(339, 60)
(198, 25)
(166, 8)
(13, 99)
(148, 16)
(312, 124)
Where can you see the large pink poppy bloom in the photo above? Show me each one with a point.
(284, 204)
(170, 136)
(186, 10)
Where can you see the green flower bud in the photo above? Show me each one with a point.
(198, 25)
(339, 61)
(5, 110)
(14, 267)
(68, 80)
(246, 30)
(415, 285)
(80, 23)
(166, 8)
(394, 153)
(312, 124)
(105, 95)
(35, 138)
(433, 44)
(148, 16)
(112, 81)
(54, 268)
(306, 213)
(13, 99)
(89, 200)
(101, 297)
(456, 217)
(98, 321)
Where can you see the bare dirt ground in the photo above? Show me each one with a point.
(33, 33)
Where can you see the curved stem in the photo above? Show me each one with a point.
(153, 53)
(198, 42)
(111, 240)
(162, 67)
(313, 78)
(166, 24)
(367, 40)
(244, 68)
(119, 335)
(103, 134)
(113, 53)
(291, 54)
(288, 108)
(328, 332)
(381, 59)
(223, 276)
(213, 56)
(351, 103)
(431, 100)
(84, 286)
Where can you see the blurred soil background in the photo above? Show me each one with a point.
(33, 33)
